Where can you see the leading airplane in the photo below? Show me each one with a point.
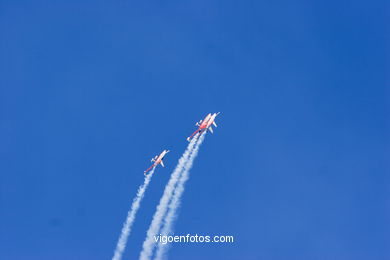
(158, 159)
(205, 124)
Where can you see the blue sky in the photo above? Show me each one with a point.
(91, 90)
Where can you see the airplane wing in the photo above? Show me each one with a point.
(162, 164)
(214, 124)
(211, 130)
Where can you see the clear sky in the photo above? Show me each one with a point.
(91, 90)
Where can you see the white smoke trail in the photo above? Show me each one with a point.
(149, 243)
(176, 199)
(126, 229)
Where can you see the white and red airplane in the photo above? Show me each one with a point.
(205, 124)
(158, 159)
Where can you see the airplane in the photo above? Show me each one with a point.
(158, 159)
(205, 124)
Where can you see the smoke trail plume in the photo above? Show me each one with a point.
(176, 199)
(126, 229)
(149, 243)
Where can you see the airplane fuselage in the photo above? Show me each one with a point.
(160, 157)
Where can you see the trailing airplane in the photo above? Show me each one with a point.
(158, 159)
